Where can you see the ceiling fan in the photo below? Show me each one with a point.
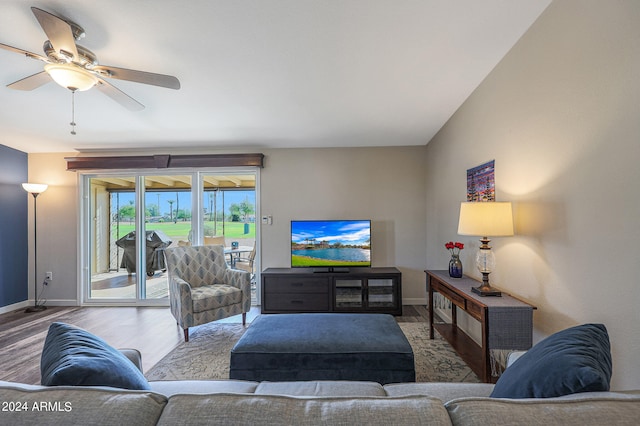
(76, 68)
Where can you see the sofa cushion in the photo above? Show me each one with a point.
(62, 405)
(443, 391)
(577, 359)
(174, 387)
(279, 410)
(321, 388)
(74, 357)
(554, 411)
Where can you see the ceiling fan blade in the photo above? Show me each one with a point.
(32, 82)
(168, 81)
(119, 96)
(58, 31)
(23, 52)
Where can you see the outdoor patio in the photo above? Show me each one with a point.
(121, 285)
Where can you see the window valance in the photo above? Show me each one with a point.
(164, 161)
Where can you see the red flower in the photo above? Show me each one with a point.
(454, 248)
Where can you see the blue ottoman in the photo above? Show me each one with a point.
(286, 347)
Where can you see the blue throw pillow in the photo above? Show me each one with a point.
(574, 360)
(74, 357)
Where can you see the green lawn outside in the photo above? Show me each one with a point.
(181, 229)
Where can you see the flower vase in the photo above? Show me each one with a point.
(455, 266)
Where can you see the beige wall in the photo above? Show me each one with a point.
(386, 185)
(561, 117)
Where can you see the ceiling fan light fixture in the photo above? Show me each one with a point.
(71, 76)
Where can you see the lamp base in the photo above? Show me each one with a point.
(37, 308)
(486, 291)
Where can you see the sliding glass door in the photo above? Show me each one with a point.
(180, 208)
(229, 218)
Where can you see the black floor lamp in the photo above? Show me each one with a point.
(35, 189)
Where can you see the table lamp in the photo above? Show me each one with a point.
(486, 219)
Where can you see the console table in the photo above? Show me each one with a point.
(506, 322)
(372, 290)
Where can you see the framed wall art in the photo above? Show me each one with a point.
(481, 182)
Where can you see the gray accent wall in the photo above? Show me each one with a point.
(14, 242)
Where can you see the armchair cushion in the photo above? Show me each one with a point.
(74, 357)
(208, 297)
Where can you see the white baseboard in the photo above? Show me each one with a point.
(14, 307)
(415, 301)
(56, 302)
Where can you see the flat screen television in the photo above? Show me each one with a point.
(330, 243)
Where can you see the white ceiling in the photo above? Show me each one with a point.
(260, 73)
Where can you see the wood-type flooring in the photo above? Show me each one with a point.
(151, 330)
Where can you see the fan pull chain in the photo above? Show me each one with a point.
(73, 112)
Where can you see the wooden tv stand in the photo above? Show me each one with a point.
(373, 290)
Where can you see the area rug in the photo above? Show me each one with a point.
(206, 356)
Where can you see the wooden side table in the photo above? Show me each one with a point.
(506, 322)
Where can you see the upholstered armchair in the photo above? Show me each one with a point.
(202, 287)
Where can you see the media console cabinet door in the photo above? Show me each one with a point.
(381, 293)
(285, 293)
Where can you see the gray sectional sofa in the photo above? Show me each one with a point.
(563, 380)
(237, 402)
(305, 403)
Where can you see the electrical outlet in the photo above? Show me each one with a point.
(48, 276)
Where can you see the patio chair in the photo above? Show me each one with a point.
(246, 263)
(202, 287)
(217, 240)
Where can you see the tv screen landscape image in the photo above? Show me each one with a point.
(330, 243)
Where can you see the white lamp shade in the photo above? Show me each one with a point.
(71, 77)
(486, 219)
(35, 188)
